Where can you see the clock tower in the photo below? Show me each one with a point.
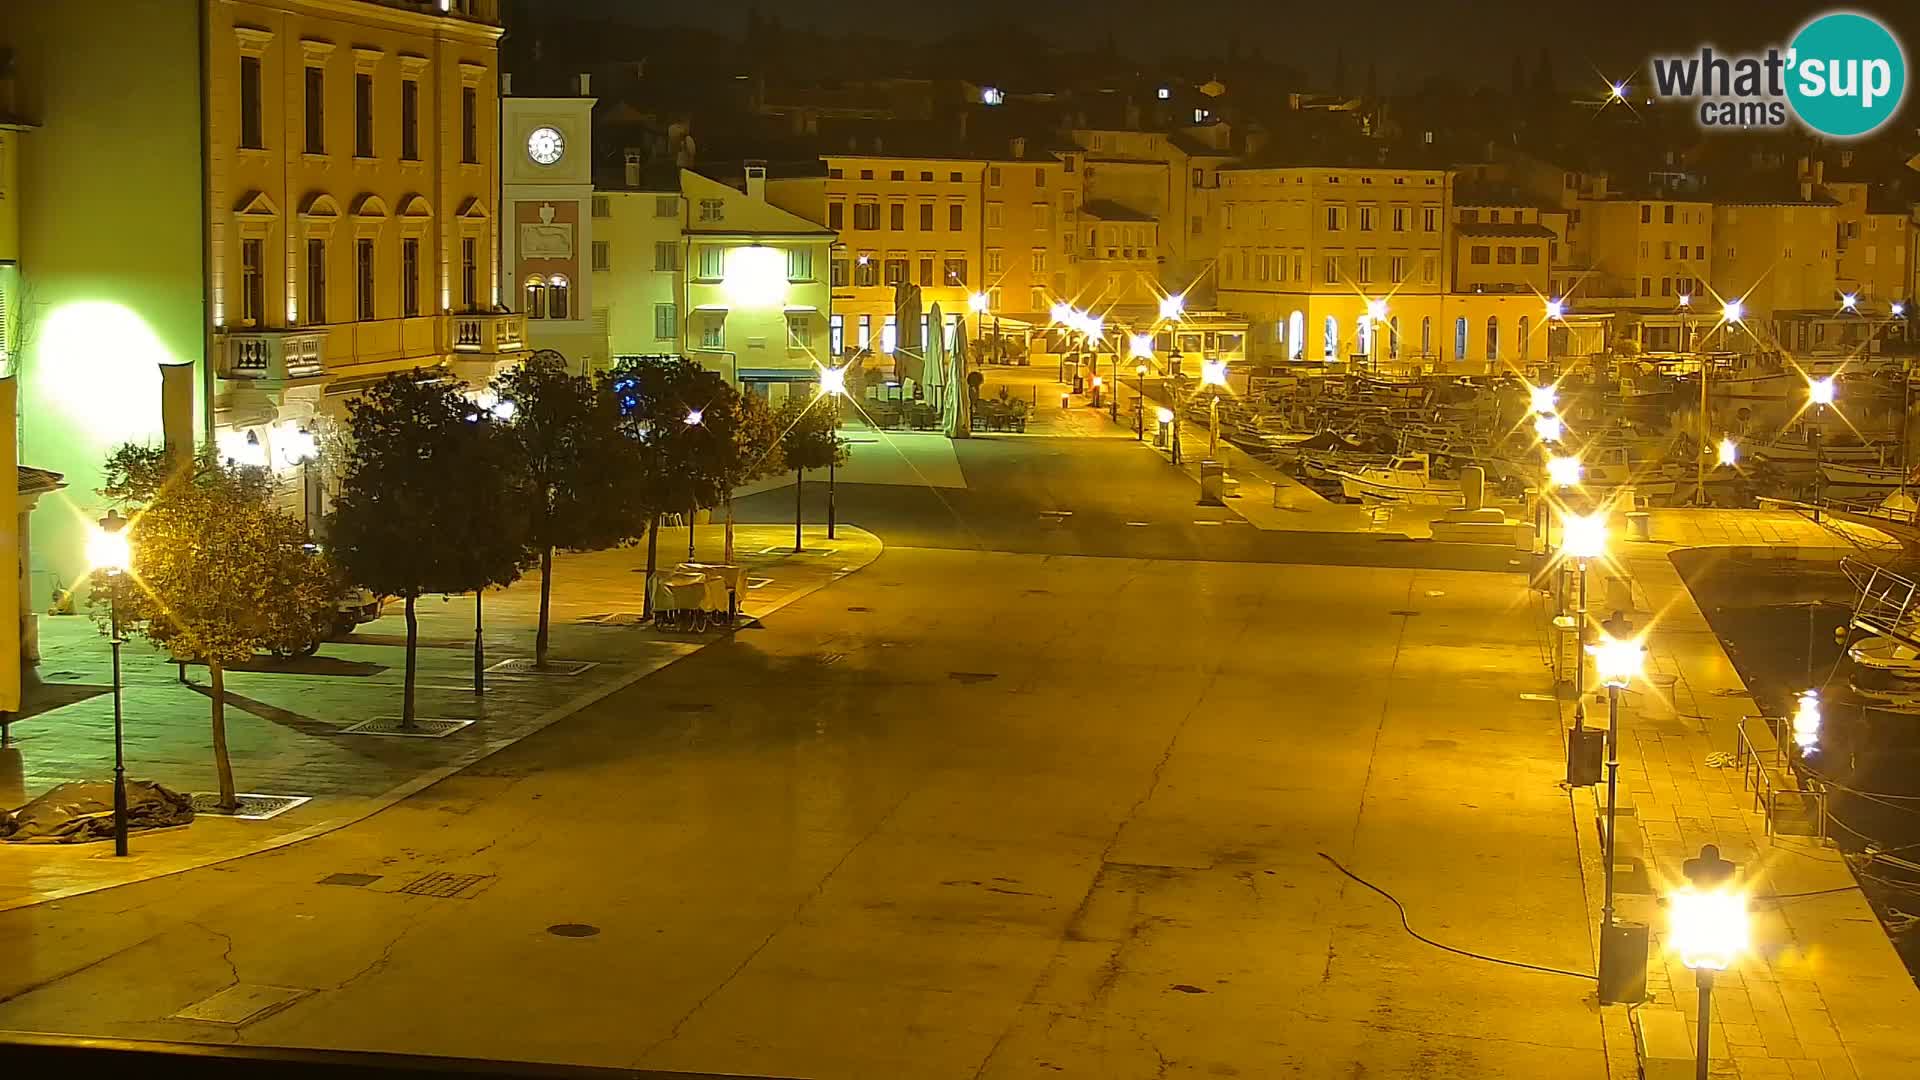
(546, 210)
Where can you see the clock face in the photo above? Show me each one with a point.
(545, 145)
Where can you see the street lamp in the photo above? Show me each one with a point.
(977, 303)
(1582, 537)
(109, 548)
(1806, 723)
(1617, 663)
(1540, 399)
(1549, 428)
(1563, 470)
(1555, 309)
(1729, 451)
(1819, 395)
(1213, 373)
(1707, 924)
(1849, 302)
(1170, 423)
(1376, 319)
(833, 383)
(694, 417)
(1732, 311)
(1172, 306)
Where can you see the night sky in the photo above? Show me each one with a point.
(1472, 40)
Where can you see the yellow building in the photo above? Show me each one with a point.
(1170, 180)
(638, 261)
(1872, 239)
(232, 257)
(1645, 253)
(1776, 253)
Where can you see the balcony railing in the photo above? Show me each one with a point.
(273, 354)
(488, 332)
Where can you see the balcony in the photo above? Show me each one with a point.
(272, 355)
(488, 333)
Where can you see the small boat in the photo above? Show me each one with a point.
(1885, 655)
(1842, 474)
(1405, 479)
(1796, 444)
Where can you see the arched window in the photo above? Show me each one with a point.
(1460, 338)
(1297, 334)
(1362, 344)
(1524, 343)
(1493, 337)
(1426, 335)
(1393, 338)
(536, 297)
(1330, 344)
(557, 297)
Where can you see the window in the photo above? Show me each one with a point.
(410, 277)
(1330, 270)
(1429, 268)
(1366, 269)
(953, 178)
(1700, 252)
(926, 176)
(1525, 345)
(1038, 263)
(250, 127)
(1399, 219)
(866, 333)
(1037, 299)
(1460, 338)
(602, 255)
(996, 215)
(889, 335)
(836, 174)
(363, 115)
(1669, 213)
(836, 216)
(1493, 216)
(866, 215)
(1335, 218)
(253, 297)
(1397, 269)
(1666, 250)
(1505, 256)
(897, 216)
(1643, 249)
(837, 334)
(1469, 216)
(410, 120)
(470, 272)
(666, 255)
(799, 264)
(602, 206)
(1426, 335)
(1646, 214)
(866, 174)
(1429, 218)
(316, 110)
(926, 216)
(866, 271)
(713, 332)
(896, 269)
(666, 206)
(993, 176)
(1666, 286)
(1197, 225)
(713, 210)
(1366, 219)
(956, 217)
(1296, 334)
(666, 322)
(316, 281)
(536, 297)
(926, 272)
(1393, 341)
(842, 273)
(470, 125)
(1646, 286)
(897, 174)
(995, 265)
(1480, 255)
(1330, 339)
(1530, 255)
(363, 280)
(799, 331)
(557, 297)
(956, 271)
(713, 262)
(1493, 337)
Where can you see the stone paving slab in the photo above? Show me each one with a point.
(286, 724)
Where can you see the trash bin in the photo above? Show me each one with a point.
(1640, 525)
(1212, 483)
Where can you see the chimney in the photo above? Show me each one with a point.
(506, 84)
(1819, 172)
(1017, 147)
(633, 168)
(757, 181)
(586, 84)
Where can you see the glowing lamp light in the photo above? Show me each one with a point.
(1708, 927)
(1898, 310)
(1820, 391)
(1213, 373)
(1617, 91)
(756, 277)
(1140, 345)
(1541, 398)
(1732, 310)
(1172, 307)
(1549, 428)
(1806, 722)
(1563, 470)
(977, 302)
(1140, 370)
(1686, 300)
(107, 546)
(694, 416)
(1377, 310)
(1555, 309)
(1729, 452)
(1584, 536)
(1165, 416)
(1093, 326)
(241, 448)
(295, 444)
(1849, 302)
(991, 95)
(833, 380)
(1061, 313)
(1617, 662)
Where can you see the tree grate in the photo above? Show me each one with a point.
(253, 807)
(241, 1004)
(525, 666)
(424, 727)
(354, 881)
(446, 886)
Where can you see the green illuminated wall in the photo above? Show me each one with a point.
(111, 239)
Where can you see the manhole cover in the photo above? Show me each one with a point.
(240, 1004)
(424, 727)
(447, 886)
(572, 929)
(859, 609)
(525, 666)
(252, 807)
(971, 677)
(1402, 611)
(350, 880)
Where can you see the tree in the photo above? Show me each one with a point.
(428, 503)
(755, 453)
(578, 469)
(808, 440)
(215, 572)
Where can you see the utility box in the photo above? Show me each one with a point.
(1623, 963)
(1212, 483)
(1586, 749)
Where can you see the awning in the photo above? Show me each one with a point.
(764, 374)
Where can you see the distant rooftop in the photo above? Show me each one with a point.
(1502, 229)
(1108, 210)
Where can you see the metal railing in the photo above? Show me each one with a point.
(1768, 772)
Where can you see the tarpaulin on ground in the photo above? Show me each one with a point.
(82, 810)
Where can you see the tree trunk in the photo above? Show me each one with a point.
(546, 603)
(413, 641)
(653, 551)
(799, 492)
(727, 556)
(221, 764)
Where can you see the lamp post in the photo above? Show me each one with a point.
(1376, 318)
(109, 548)
(1708, 923)
(1582, 537)
(1213, 374)
(1140, 400)
(1819, 395)
(1617, 663)
(833, 383)
(694, 417)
